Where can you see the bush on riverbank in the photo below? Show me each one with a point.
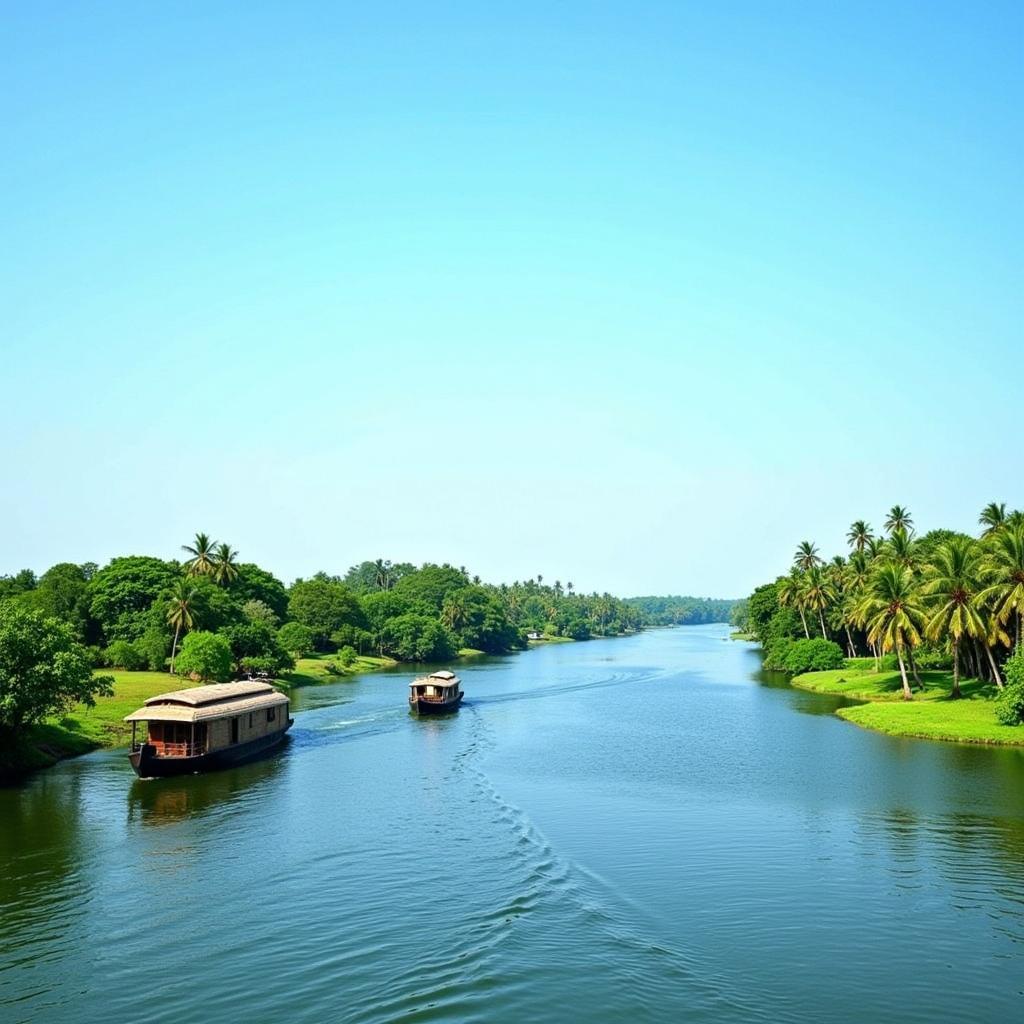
(796, 656)
(1010, 705)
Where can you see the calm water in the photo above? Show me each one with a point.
(641, 829)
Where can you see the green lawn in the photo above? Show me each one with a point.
(325, 668)
(932, 714)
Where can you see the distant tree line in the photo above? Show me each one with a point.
(681, 611)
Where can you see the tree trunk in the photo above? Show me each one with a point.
(803, 619)
(907, 695)
(913, 668)
(956, 670)
(821, 619)
(849, 642)
(876, 652)
(174, 646)
(995, 671)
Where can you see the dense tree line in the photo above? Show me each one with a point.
(941, 600)
(209, 616)
(681, 611)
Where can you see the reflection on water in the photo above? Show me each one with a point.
(647, 829)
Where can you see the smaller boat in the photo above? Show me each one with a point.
(435, 694)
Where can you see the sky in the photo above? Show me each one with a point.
(636, 295)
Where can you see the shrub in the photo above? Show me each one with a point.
(153, 647)
(347, 656)
(206, 655)
(775, 653)
(122, 654)
(934, 658)
(1010, 703)
(816, 655)
(255, 665)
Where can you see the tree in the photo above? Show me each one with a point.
(898, 519)
(413, 637)
(789, 591)
(325, 607)
(63, 593)
(806, 555)
(180, 612)
(993, 517)
(892, 613)
(259, 611)
(952, 585)
(296, 638)
(859, 535)
(122, 593)
(255, 584)
(817, 593)
(257, 644)
(206, 656)
(43, 669)
(201, 549)
(1005, 567)
(224, 568)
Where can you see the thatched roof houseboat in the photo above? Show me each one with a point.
(436, 693)
(207, 727)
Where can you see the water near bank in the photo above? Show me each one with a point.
(631, 829)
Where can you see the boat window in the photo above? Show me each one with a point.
(271, 714)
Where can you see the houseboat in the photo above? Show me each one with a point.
(435, 694)
(207, 727)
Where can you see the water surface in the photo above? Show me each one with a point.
(641, 829)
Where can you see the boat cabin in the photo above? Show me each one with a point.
(207, 726)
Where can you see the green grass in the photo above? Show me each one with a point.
(739, 635)
(932, 714)
(317, 669)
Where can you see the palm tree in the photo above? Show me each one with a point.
(790, 595)
(874, 547)
(817, 594)
(899, 519)
(952, 583)
(892, 612)
(180, 613)
(806, 555)
(225, 570)
(859, 535)
(1005, 564)
(382, 574)
(902, 548)
(992, 517)
(201, 550)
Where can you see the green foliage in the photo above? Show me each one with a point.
(122, 654)
(257, 640)
(259, 611)
(154, 646)
(784, 654)
(762, 604)
(207, 656)
(255, 584)
(123, 592)
(370, 577)
(681, 611)
(296, 638)
(413, 637)
(325, 606)
(347, 656)
(43, 669)
(1010, 703)
(430, 585)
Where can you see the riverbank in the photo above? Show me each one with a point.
(933, 714)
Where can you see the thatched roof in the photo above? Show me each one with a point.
(196, 695)
(443, 674)
(202, 703)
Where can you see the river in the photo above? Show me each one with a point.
(638, 829)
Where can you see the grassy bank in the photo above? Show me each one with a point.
(933, 714)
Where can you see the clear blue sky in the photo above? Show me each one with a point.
(634, 294)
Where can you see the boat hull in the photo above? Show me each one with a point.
(434, 707)
(148, 766)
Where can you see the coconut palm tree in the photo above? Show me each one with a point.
(225, 569)
(993, 516)
(874, 547)
(1005, 565)
(859, 535)
(806, 555)
(898, 519)
(817, 593)
(892, 612)
(951, 582)
(382, 574)
(180, 613)
(790, 595)
(902, 548)
(201, 550)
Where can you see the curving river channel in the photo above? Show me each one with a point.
(640, 829)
